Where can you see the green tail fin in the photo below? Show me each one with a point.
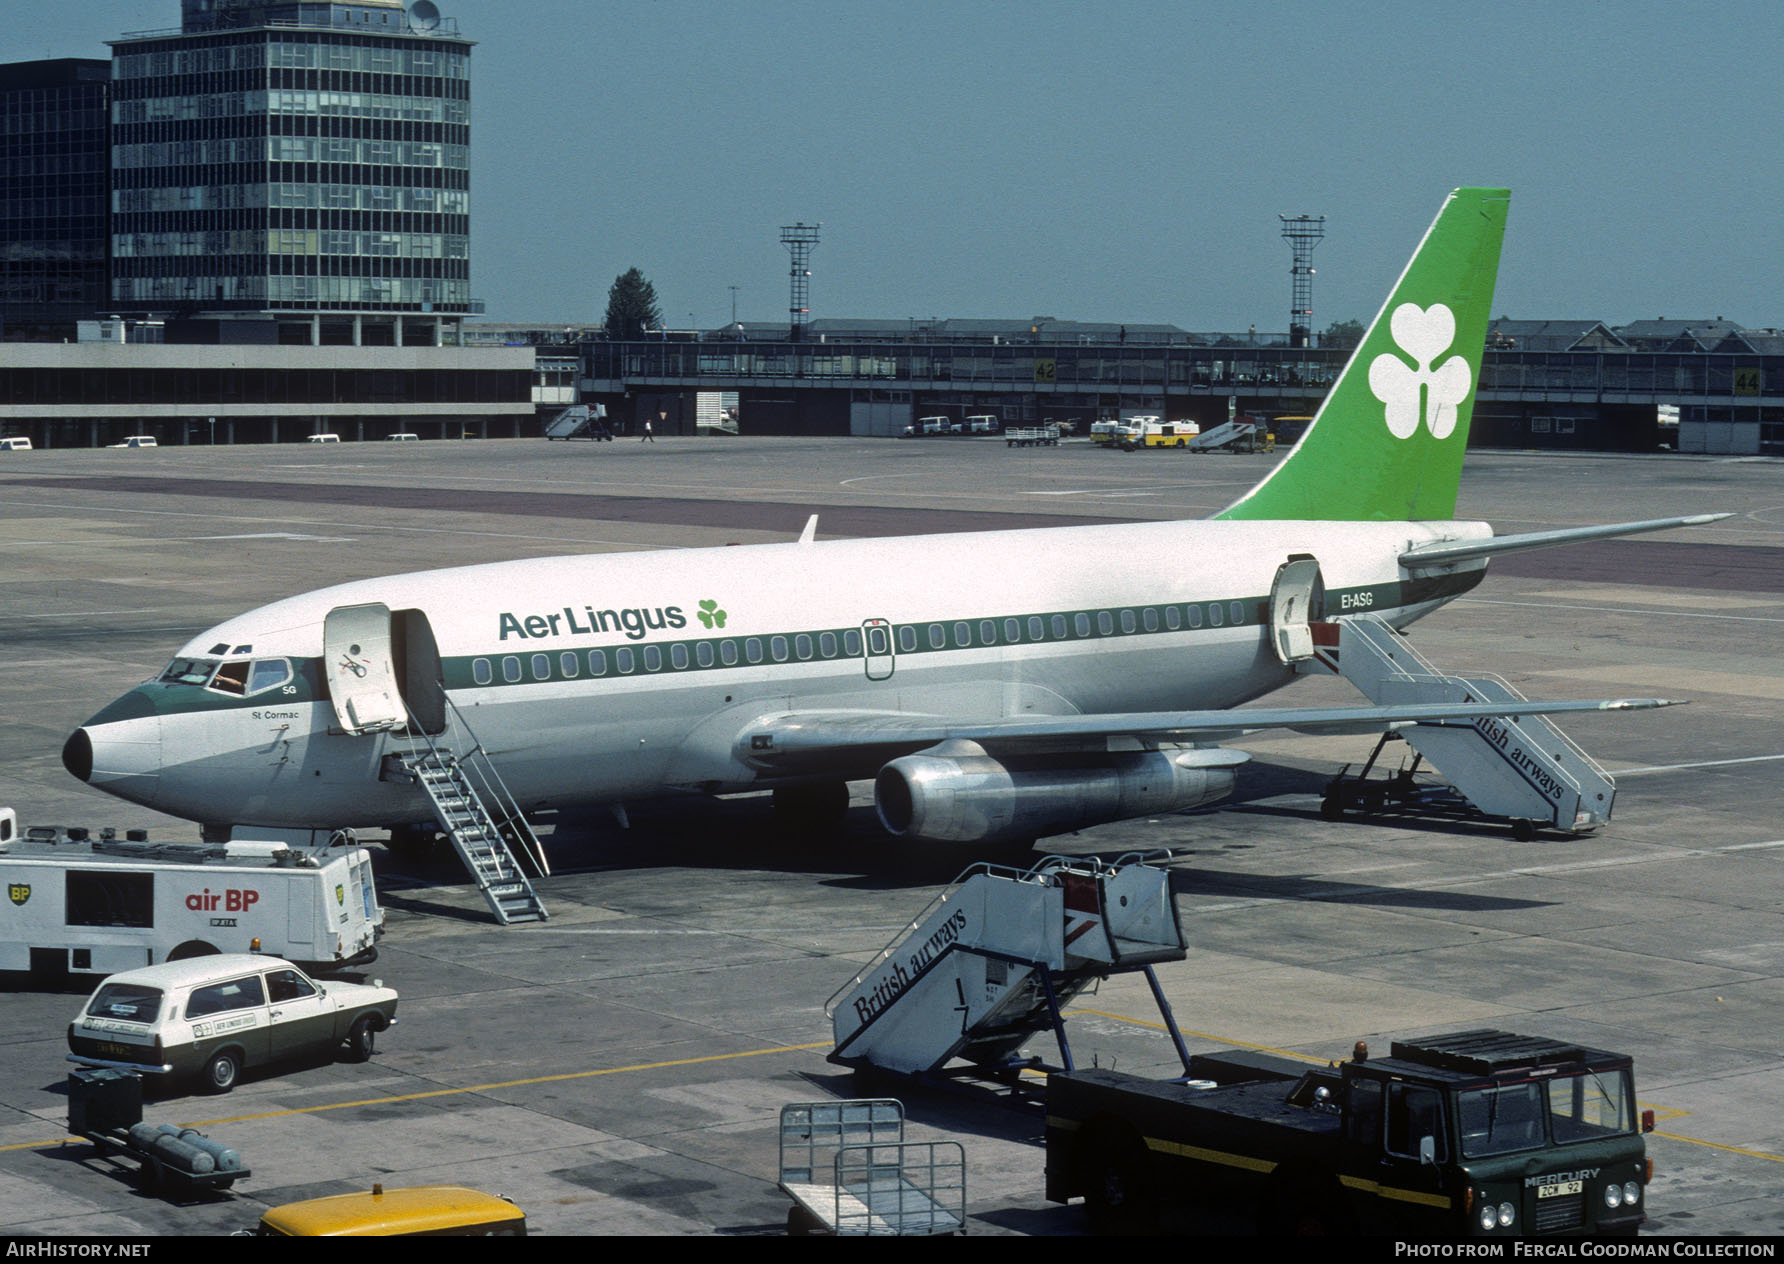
(1387, 444)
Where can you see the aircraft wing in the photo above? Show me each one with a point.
(1442, 552)
(800, 739)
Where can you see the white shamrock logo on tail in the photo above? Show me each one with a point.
(1422, 393)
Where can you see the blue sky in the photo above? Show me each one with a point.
(1118, 161)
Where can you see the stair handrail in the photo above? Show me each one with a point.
(1433, 672)
(1044, 872)
(476, 763)
(976, 869)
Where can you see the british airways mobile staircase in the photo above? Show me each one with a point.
(991, 963)
(1520, 767)
(461, 788)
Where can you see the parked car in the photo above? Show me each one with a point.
(405, 437)
(138, 441)
(215, 1016)
(325, 438)
(15, 443)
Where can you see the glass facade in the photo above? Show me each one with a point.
(297, 158)
(54, 159)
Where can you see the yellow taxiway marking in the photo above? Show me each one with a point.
(470, 1088)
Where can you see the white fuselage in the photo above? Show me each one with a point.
(611, 677)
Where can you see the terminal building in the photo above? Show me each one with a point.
(277, 194)
(256, 226)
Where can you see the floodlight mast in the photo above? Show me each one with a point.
(801, 239)
(1302, 233)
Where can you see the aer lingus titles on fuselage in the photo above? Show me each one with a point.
(987, 701)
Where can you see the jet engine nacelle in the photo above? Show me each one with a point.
(955, 792)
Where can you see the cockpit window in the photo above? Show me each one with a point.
(189, 671)
(268, 673)
(238, 676)
(231, 678)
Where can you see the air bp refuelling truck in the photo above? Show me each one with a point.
(80, 902)
(1476, 1134)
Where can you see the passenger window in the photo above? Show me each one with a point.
(480, 672)
(1105, 623)
(653, 658)
(987, 632)
(597, 663)
(827, 644)
(752, 649)
(1059, 627)
(851, 642)
(802, 646)
(1127, 621)
(1236, 613)
(1081, 624)
(572, 666)
(777, 646)
(1037, 630)
(221, 998)
(510, 668)
(728, 653)
(963, 636)
(541, 667)
(1149, 619)
(703, 653)
(1173, 618)
(623, 661)
(907, 638)
(938, 637)
(1195, 616)
(1214, 615)
(678, 656)
(1012, 631)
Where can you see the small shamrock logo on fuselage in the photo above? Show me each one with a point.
(1422, 393)
(711, 615)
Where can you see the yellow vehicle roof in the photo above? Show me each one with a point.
(440, 1209)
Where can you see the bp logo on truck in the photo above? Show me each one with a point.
(18, 892)
(340, 895)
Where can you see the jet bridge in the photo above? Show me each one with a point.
(1518, 767)
(993, 961)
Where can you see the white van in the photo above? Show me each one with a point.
(216, 1016)
(983, 423)
(138, 441)
(400, 438)
(96, 905)
(325, 438)
(15, 443)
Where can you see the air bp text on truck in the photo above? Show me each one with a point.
(81, 903)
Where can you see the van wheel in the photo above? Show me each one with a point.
(192, 948)
(362, 1040)
(222, 1071)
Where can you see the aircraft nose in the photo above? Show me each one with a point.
(119, 750)
(77, 754)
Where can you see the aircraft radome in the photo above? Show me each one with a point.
(986, 707)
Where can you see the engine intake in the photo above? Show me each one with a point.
(955, 792)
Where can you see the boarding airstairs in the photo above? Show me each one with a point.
(1520, 767)
(993, 961)
(462, 787)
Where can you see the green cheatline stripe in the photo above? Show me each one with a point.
(649, 657)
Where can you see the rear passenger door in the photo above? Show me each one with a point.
(232, 1012)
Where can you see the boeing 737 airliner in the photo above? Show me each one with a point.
(986, 705)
